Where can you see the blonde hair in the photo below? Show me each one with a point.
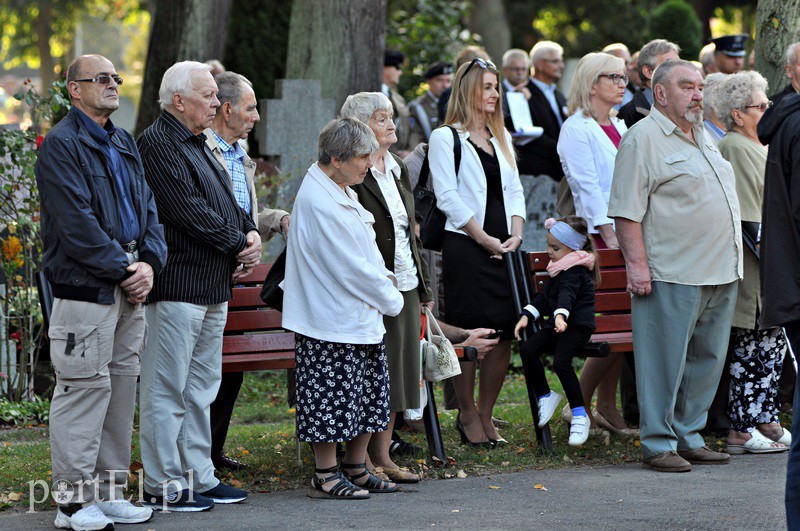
(587, 74)
(466, 92)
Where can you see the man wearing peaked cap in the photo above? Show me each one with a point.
(392, 70)
(424, 109)
(729, 52)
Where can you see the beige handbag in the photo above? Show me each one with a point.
(439, 357)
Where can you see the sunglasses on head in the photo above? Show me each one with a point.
(481, 63)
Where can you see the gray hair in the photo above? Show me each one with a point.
(664, 71)
(791, 54)
(345, 139)
(710, 92)
(651, 50)
(736, 93)
(178, 80)
(541, 48)
(706, 56)
(229, 85)
(515, 53)
(364, 104)
(616, 47)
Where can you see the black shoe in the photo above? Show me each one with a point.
(401, 447)
(465, 440)
(223, 493)
(184, 501)
(225, 462)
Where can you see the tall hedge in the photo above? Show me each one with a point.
(677, 21)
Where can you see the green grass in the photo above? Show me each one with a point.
(262, 435)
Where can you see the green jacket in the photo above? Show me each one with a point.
(370, 196)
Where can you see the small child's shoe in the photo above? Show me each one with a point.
(547, 406)
(579, 430)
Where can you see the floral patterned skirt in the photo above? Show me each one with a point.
(755, 370)
(342, 389)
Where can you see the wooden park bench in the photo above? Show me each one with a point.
(254, 340)
(612, 301)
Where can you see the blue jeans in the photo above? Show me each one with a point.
(793, 466)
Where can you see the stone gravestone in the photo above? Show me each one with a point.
(540, 203)
(289, 128)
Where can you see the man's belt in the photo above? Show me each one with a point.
(130, 247)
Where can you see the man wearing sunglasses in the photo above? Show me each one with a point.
(102, 247)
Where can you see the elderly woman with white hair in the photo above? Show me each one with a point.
(714, 126)
(386, 193)
(757, 354)
(337, 291)
(587, 147)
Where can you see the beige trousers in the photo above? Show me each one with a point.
(95, 352)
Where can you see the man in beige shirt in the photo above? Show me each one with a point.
(677, 218)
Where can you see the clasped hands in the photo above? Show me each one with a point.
(250, 256)
(497, 248)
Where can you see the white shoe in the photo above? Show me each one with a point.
(124, 512)
(579, 430)
(89, 518)
(547, 406)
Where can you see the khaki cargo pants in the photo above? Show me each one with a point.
(95, 351)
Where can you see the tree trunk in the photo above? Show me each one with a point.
(488, 19)
(705, 10)
(182, 30)
(777, 26)
(44, 30)
(339, 42)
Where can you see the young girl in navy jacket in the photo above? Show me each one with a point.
(567, 299)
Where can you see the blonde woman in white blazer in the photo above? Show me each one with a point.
(485, 210)
(337, 290)
(587, 147)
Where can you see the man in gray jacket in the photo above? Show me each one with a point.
(102, 247)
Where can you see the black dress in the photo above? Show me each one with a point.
(476, 286)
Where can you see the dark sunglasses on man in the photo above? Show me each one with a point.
(103, 79)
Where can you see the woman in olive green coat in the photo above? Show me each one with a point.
(757, 354)
(386, 193)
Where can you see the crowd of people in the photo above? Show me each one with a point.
(144, 240)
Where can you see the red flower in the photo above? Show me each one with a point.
(39, 140)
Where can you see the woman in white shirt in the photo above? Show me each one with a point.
(485, 210)
(386, 193)
(337, 291)
(587, 147)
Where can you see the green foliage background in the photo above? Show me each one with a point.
(677, 21)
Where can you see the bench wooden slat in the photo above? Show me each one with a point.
(267, 343)
(613, 302)
(261, 320)
(258, 362)
(613, 323)
(246, 297)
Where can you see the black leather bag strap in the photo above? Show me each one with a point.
(425, 170)
(456, 148)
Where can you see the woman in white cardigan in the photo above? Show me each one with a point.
(485, 210)
(337, 291)
(587, 147)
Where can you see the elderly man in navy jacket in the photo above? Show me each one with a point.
(102, 246)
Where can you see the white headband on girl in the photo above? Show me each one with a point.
(566, 234)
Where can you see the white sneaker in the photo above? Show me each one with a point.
(89, 518)
(547, 406)
(579, 430)
(124, 512)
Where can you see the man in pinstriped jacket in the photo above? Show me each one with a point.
(209, 237)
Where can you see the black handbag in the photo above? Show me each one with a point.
(433, 220)
(271, 292)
